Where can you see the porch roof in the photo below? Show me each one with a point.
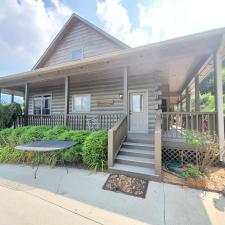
(176, 61)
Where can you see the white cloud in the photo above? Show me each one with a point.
(26, 28)
(163, 20)
(174, 18)
(116, 21)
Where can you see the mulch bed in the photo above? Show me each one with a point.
(128, 185)
(215, 179)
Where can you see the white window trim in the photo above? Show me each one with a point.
(78, 49)
(40, 96)
(79, 95)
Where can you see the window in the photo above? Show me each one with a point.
(137, 103)
(164, 105)
(42, 105)
(77, 54)
(81, 103)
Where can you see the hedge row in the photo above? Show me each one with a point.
(92, 148)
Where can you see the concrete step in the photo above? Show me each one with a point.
(137, 152)
(134, 171)
(135, 161)
(137, 145)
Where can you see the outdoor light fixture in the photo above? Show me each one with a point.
(120, 96)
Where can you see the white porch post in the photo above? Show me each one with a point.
(219, 99)
(26, 103)
(188, 101)
(125, 91)
(67, 94)
(197, 98)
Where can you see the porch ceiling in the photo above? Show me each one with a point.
(175, 61)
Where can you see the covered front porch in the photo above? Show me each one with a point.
(126, 88)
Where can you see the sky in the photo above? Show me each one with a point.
(28, 26)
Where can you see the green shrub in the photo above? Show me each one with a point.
(55, 132)
(193, 171)
(92, 147)
(33, 133)
(74, 135)
(5, 136)
(73, 154)
(205, 146)
(94, 150)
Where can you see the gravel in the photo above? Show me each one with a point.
(125, 184)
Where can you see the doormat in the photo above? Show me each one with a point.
(128, 185)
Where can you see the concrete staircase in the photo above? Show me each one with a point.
(136, 157)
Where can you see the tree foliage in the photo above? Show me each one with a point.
(8, 114)
(207, 85)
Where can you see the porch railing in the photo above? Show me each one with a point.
(157, 142)
(116, 136)
(174, 123)
(88, 121)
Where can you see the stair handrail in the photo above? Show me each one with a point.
(158, 143)
(116, 136)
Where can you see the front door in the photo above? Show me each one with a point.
(138, 111)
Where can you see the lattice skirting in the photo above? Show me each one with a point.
(183, 156)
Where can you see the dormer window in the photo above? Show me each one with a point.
(77, 54)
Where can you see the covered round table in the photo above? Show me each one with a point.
(45, 146)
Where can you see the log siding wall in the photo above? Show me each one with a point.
(104, 89)
(80, 36)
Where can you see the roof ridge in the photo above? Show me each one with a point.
(66, 26)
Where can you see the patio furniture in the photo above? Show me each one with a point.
(45, 146)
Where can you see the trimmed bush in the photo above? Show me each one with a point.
(5, 136)
(92, 147)
(74, 135)
(73, 155)
(54, 133)
(33, 134)
(94, 150)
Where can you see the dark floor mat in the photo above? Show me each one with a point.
(124, 184)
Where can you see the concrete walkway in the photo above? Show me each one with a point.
(77, 198)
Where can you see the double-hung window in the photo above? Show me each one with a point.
(81, 103)
(42, 104)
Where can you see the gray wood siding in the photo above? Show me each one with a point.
(152, 84)
(80, 36)
(57, 92)
(109, 88)
(99, 90)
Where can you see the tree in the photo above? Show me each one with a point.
(8, 114)
(207, 85)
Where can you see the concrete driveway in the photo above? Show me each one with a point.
(77, 198)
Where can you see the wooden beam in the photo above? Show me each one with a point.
(215, 84)
(125, 91)
(188, 101)
(12, 97)
(26, 103)
(197, 70)
(67, 94)
(197, 96)
(219, 98)
(181, 103)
